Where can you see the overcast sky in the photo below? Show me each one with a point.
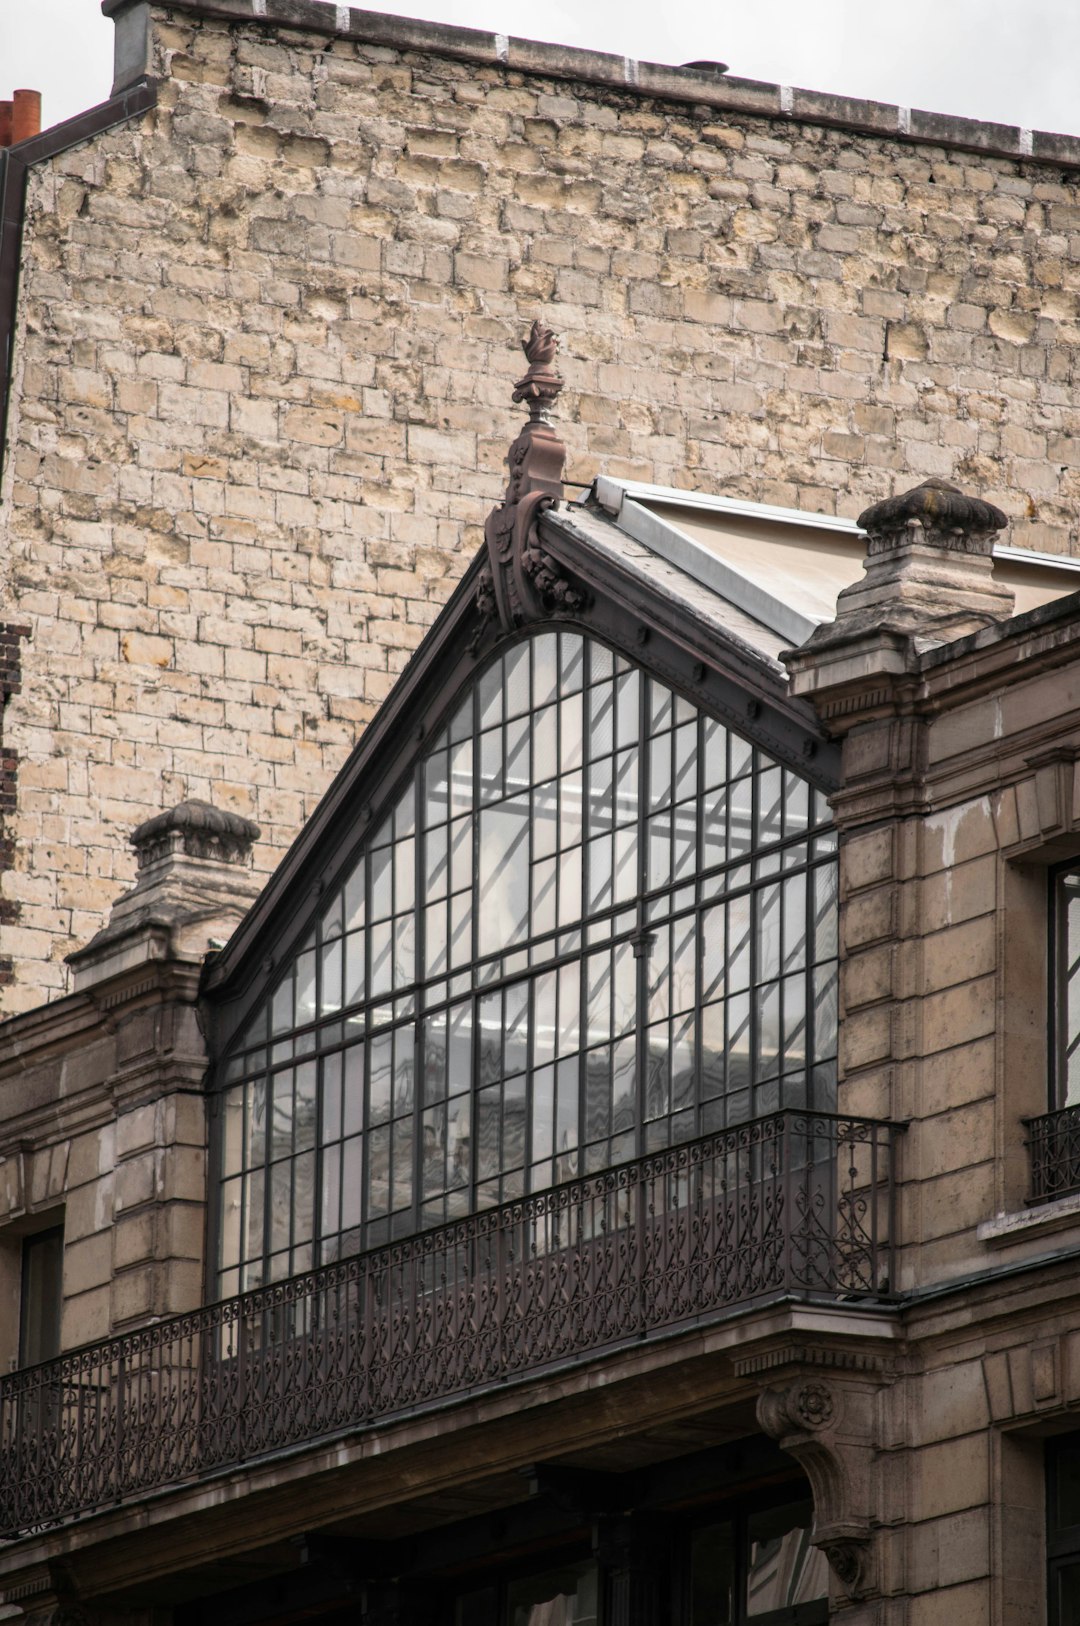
(1015, 61)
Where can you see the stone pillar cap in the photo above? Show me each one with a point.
(942, 510)
(193, 885)
(198, 829)
(927, 580)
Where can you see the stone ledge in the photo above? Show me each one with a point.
(911, 125)
(1053, 1216)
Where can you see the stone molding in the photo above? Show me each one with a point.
(706, 88)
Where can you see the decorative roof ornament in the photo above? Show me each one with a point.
(946, 517)
(928, 580)
(541, 385)
(198, 830)
(521, 582)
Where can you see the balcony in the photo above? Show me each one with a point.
(797, 1204)
(1054, 1145)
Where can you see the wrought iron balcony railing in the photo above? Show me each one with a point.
(796, 1204)
(1054, 1144)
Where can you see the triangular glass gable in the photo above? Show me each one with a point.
(594, 923)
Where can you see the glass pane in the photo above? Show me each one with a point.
(559, 741)
(1070, 903)
(381, 1077)
(783, 1568)
(826, 920)
(504, 875)
(571, 662)
(563, 1597)
(545, 668)
(517, 681)
(42, 1296)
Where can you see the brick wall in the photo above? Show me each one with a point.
(265, 343)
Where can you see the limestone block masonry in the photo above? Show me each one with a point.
(262, 344)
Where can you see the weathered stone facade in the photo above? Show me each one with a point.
(262, 343)
(918, 1409)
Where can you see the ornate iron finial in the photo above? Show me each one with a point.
(521, 582)
(948, 518)
(541, 385)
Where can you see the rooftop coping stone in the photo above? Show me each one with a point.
(650, 79)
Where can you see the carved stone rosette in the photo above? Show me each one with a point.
(521, 582)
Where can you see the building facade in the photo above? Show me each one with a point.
(630, 1175)
(256, 314)
(622, 1167)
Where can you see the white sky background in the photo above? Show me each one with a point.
(1014, 61)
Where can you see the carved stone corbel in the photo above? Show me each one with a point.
(829, 1428)
(521, 582)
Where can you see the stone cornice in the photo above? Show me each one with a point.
(1038, 641)
(31, 1037)
(706, 89)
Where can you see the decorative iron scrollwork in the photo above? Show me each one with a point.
(672, 1239)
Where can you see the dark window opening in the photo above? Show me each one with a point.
(1063, 1530)
(756, 1567)
(41, 1296)
(760, 1567)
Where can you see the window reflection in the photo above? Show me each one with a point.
(564, 1597)
(594, 922)
(783, 1568)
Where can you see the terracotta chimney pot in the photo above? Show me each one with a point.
(5, 124)
(25, 115)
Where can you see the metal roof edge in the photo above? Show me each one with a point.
(612, 494)
(1028, 556)
(608, 489)
(680, 550)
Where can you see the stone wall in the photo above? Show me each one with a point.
(265, 341)
(106, 1134)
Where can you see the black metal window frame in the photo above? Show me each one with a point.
(630, 926)
(1054, 1136)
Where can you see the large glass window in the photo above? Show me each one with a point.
(595, 921)
(1054, 1136)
